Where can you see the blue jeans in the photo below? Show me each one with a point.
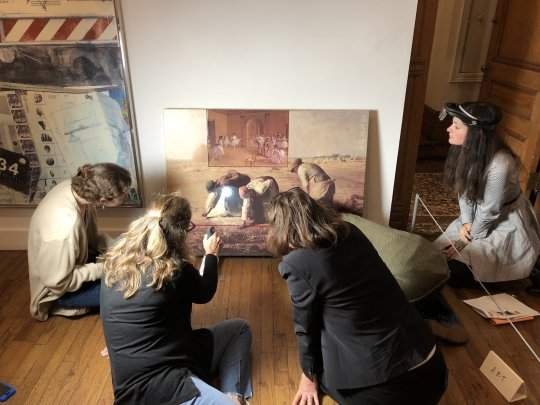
(85, 297)
(231, 361)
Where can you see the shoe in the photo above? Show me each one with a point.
(534, 288)
(452, 333)
(69, 312)
(238, 399)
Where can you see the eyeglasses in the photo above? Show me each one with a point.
(191, 226)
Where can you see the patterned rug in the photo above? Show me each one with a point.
(439, 199)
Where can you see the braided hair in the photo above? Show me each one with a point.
(100, 181)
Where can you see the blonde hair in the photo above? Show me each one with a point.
(155, 241)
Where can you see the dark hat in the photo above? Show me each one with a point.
(485, 115)
(211, 185)
(296, 162)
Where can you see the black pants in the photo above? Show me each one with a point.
(424, 385)
(460, 275)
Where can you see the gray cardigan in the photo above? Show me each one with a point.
(505, 234)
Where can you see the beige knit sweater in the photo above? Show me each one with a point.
(60, 239)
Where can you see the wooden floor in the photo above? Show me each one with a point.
(58, 361)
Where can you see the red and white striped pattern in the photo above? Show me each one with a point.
(16, 30)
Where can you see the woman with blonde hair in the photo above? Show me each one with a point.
(147, 292)
(63, 241)
(359, 339)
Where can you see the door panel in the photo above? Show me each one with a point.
(512, 81)
(520, 31)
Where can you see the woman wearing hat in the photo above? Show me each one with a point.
(497, 233)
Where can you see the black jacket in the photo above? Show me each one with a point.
(354, 325)
(152, 347)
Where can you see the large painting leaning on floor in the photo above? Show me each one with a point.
(229, 184)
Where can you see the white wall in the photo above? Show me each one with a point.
(302, 54)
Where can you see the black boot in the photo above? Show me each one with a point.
(441, 318)
(534, 277)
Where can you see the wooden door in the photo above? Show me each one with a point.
(411, 126)
(512, 81)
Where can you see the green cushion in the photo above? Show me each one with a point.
(417, 266)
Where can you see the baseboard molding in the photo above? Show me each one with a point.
(14, 239)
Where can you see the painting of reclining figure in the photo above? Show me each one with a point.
(230, 163)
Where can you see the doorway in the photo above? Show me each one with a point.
(461, 39)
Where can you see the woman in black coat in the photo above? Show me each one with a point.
(359, 339)
(147, 293)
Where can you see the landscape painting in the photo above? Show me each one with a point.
(322, 151)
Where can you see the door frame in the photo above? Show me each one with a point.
(424, 31)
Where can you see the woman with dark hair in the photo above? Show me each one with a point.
(497, 233)
(147, 292)
(359, 339)
(63, 241)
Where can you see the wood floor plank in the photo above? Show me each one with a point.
(28, 374)
(266, 389)
(267, 313)
(50, 391)
(63, 337)
(248, 266)
(9, 328)
(256, 307)
(58, 362)
(88, 367)
(79, 354)
(13, 357)
(39, 358)
(107, 396)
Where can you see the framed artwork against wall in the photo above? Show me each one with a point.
(64, 96)
(229, 184)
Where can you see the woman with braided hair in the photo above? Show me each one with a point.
(147, 292)
(63, 241)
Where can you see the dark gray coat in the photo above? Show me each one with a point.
(355, 328)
